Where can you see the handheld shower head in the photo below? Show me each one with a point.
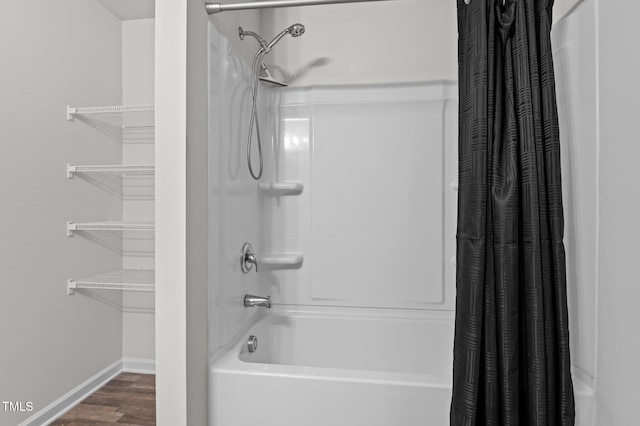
(295, 30)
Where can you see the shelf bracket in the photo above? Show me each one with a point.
(71, 169)
(71, 227)
(71, 287)
(124, 280)
(71, 112)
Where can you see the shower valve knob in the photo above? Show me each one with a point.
(248, 258)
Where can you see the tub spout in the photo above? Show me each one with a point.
(250, 301)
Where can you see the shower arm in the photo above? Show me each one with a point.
(260, 40)
(218, 7)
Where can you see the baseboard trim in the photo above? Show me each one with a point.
(139, 365)
(65, 403)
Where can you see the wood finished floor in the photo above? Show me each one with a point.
(129, 399)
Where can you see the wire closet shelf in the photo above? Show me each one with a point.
(110, 226)
(126, 117)
(122, 279)
(124, 169)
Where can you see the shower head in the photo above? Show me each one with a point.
(295, 30)
(268, 78)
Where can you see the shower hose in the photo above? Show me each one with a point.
(254, 116)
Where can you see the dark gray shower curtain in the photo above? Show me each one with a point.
(511, 351)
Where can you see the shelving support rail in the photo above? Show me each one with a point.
(73, 285)
(73, 111)
(126, 279)
(109, 226)
(125, 169)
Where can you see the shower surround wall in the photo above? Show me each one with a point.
(397, 230)
(239, 212)
(376, 220)
(234, 204)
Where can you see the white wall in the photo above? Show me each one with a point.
(54, 54)
(197, 214)
(619, 229)
(138, 328)
(138, 64)
(574, 44)
(170, 212)
(563, 7)
(598, 92)
(379, 42)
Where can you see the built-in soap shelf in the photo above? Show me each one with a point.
(110, 226)
(278, 189)
(122, 279)
(280, 261)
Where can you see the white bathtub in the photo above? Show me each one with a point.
(336, 369)
(330, 369)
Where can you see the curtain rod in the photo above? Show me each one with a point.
(218, 7)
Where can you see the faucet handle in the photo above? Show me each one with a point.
(248, 258)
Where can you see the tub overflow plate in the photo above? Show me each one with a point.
(252, 344)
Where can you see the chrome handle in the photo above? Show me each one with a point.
(251, 260)
(248, 258)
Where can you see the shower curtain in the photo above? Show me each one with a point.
(511, 350)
